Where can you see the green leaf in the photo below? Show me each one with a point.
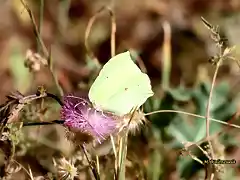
(180, 93)
(21, 74)
(180, 130)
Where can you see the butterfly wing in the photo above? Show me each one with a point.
(120, 86)
(133, 93)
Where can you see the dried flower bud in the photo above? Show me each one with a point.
(33, 61)
(132, 121)
(65, 168)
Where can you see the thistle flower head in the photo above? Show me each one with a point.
(79, 114)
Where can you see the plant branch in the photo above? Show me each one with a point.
(35, 29)
(113, 33)
(194, 115)
(46, 54)
(209, 109)
(223, 53)
(87, 33)
(41, 13)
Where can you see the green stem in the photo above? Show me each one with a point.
(122, 156)
(41, 14)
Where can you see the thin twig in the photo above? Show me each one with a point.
(87, 33)
(138, 59)
(166, 55)
(213, 136)
(122, 151)
(209, 108)
(113, 33)
(35, 29)
(54, 76)
(194, 115)
(46, 54)
(122, 154)
(220, 43)
(41, 13)
(21, 103)
(113, 146)
(28, 173)
(97, 164)
(95, 173)
(43, 123)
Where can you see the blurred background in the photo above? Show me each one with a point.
(174, 46)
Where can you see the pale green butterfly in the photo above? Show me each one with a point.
(120, 86)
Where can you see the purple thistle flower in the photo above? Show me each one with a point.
(79, 114)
